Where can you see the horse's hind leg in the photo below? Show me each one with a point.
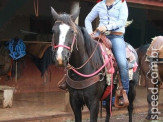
(131, 97)
(107, 109)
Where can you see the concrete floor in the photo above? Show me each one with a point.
(50, 107)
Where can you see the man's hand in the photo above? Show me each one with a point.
(102, 29)
(92, 34)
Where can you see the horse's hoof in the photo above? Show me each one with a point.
(148, 117)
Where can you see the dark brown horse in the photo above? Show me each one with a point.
(74, 46)
(152, 72)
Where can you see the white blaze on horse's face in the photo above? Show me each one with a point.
(63, 32)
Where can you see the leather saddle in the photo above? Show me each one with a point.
(103, 39)
(155, 49)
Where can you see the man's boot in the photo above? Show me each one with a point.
(62, 83)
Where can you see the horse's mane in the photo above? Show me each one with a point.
(90, 45)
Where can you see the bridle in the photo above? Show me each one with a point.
(65, 46)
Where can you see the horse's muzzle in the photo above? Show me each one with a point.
(62, 61)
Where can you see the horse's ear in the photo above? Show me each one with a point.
(75, 10)
(54, 14)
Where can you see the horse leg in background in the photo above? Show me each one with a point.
(132, 93)
(20, 67)
(131, 97)
(149, 100)
(145, 68)
(152, 95)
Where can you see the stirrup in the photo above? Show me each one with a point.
(121, 99)
(62, 83)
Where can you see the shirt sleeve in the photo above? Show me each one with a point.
(90, 17)
(123, 15)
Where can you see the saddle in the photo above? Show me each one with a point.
(155, 49)
(107, 45)
(103, 39)
(37, 49)
(121, 99)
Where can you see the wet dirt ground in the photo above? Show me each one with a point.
(50, 107)
(138, 117)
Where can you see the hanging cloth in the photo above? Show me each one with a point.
(17, 48)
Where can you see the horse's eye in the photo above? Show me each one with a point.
(72, 31)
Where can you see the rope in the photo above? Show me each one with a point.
(36, 7)
(92, 74)
(91, 54)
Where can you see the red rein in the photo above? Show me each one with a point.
(62, 46)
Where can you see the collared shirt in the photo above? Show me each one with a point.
(114, 18)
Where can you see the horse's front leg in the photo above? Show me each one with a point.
(94, 109)
(76, 107)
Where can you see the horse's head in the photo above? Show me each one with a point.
(64, 35)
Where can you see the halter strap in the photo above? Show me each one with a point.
(62, 46)
(67, 47)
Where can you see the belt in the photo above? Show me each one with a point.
(116, 33)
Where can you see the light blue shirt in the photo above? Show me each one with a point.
(114, 19)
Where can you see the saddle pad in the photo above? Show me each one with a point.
(103, 39)
(156, 46)
(129, 53)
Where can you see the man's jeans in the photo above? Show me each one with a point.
(119, 51)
